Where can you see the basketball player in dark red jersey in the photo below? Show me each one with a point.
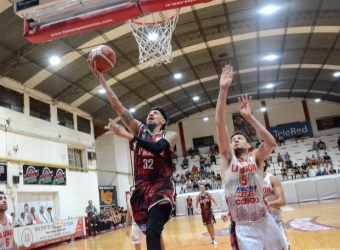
(242, 180)
(189, 206)
(152, 200)
(204, 199)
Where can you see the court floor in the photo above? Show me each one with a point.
(311, 225)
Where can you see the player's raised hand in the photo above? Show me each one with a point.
(226, 77)
(245, 108)
(93, 67)
(114, 128)
(225, 217)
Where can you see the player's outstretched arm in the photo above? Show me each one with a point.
(280, 200)
(213, 200)
(222, 131)
(128, 120)
(269, 143)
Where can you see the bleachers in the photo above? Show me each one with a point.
(297, 151)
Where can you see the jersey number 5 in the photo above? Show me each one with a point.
(147, 163)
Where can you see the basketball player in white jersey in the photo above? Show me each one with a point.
(242, 180)
(6, 226)
(137, 236)
(274, 195)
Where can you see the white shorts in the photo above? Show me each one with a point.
(263, 234)
(283, 232)
(137, 237)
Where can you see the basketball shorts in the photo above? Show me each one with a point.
(147, 195)
(208, 217)
(137, 237)
(263, 234)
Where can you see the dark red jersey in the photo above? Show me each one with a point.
(147, 166)
(189, 202)
(205, 201)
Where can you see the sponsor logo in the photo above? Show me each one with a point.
(246, 189)
(234, 168)
(31, 175)
(60, 177)
(267, 190)
(245, 194)
(106, 197)
(249, 168)
(46, 177)
(247, 201)
(27, 237)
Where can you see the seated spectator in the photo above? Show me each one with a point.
(194, 169)
(191, 153)
(314, 161)
(339, 142)
(185, 163)
(286, 156)
(332, 171)
(207, 184)
(218, 177)
(319, 173)
(325, 171)
(321, 145)
(212, 159)
(15, 221)
(258, 143)
(307, 161)
(279, 159)
(202, 160)
(327, 159)
(207, 163)
(219, 184)
(296, 170)
(212, 173)
(181, 191)
(298, 137)
(195, 184)
(289, 164)
(290, 172)
(320, 159)
(281, 140)
(284, 173)
(304, 170)
(315, 146)
(213, 184)
(22, 220)
(188, 184)
(102, 221)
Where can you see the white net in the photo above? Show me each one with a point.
(154, 39)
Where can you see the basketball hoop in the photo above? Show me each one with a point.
(154, 37)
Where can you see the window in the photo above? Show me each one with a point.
(206, 141)
(11, 99)
(83, 125)
(65, 118)
(75, 159)
(40, 109)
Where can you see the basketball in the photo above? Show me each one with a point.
(104, 57)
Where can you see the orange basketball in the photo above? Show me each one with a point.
(104, 57)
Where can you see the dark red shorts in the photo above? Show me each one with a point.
(208, 217)
(148, 194)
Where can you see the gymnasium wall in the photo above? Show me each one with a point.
(44, 143)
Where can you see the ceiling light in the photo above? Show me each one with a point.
(336, 74)
(178, 76)
(270, 9)
(54, 60)
(270, 57)
(317, 100)
(263, 109)
(205, 118)
(153, 36)
(195, 98)
(132, 110)
(269, 86)
(102, 91)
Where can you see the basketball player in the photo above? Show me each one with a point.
(204, 198)
(189, 206)
(274, 195)
(152, 201)
(6, 226)
(242, 180)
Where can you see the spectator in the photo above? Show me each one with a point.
(289, 164)
(91, 216)
(15, 221)
(213, 184)
(320, 159)
(207, 163)
(195, 184)
(191, 153)
(218, 177)
(314, 161)
(296, 170)
(319, 173)
(321, 145)
(279, 159)
(298, 137)
(258, 143)
(281, 140)
(42, 217)
(22, 220)
(325, 172)
(332, 171)
(32, 218)
(194, 169)
(101, 221)
(49, 215)
(307, 161)
(284, 173)
(182, 190)
(290, 172)
(304, 170)
(212, 173)
(327, 159)
(286, 156)
(212, 159)
(207, 184)
(201, 160)
(339, 142)
(185, 163)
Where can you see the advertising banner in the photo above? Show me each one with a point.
(39, 235)
(107, 196)
(329, 122)
(38, 175)
(289, 131)
(3, 173)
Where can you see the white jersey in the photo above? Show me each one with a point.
(6, 231)
(243, 190)
(268, 195)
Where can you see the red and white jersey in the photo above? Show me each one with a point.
(6, 231)
(243, 190)
(268, 195)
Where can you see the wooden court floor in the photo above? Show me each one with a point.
(312, 225)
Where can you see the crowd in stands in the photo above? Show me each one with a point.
(111, 218)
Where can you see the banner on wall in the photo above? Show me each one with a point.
(328, 122)
(289, 131)
(107, 196)
(240, 124)
(3, 173)
(39, 175)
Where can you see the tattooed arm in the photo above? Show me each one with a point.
(128, 120)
